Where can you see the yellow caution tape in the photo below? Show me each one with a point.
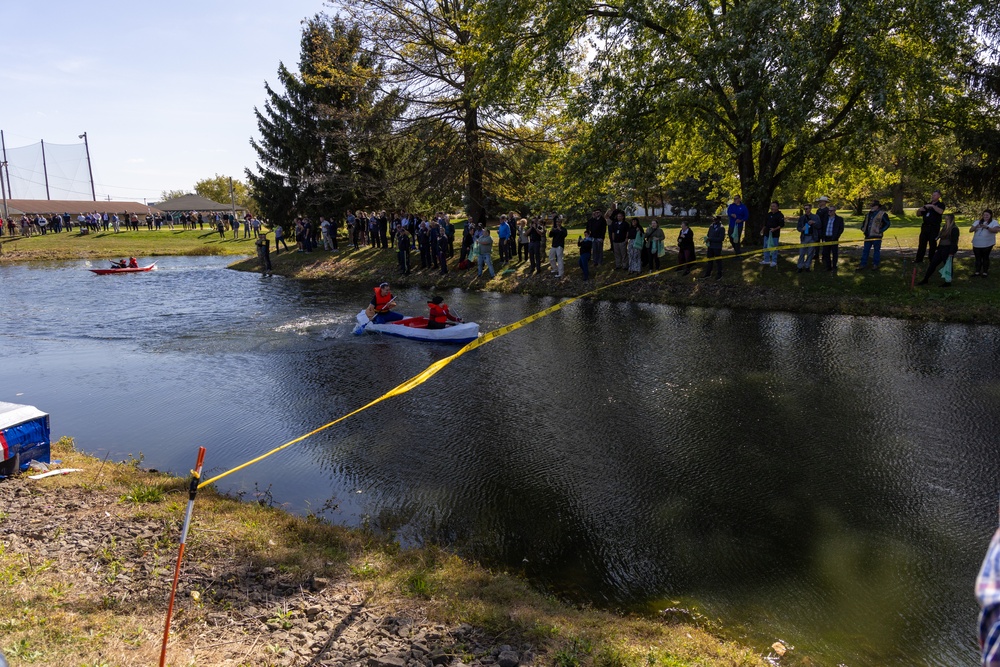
(434, 368)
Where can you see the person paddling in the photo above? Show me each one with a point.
(381, 306)
(121, 264)
(440, 315)
(133, 263)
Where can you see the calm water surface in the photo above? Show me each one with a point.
(829, 481)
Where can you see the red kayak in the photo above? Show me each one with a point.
(138, 269)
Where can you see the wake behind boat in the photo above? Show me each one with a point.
(127, 269)
(416, 328)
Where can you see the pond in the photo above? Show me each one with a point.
(829, 481)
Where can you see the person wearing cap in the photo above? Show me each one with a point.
(440, 315)
(382, 302)
(874, 226)
(831, 231)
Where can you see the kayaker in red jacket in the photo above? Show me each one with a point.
(440, 316)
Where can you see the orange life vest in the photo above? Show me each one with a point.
(382, 301)
(439, 313)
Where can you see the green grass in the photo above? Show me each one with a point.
(109, 245)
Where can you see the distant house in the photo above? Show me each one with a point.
(663, 209)
(75, 207)
(188, 203)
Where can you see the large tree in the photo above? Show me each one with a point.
(326, 134)
(439, 59)
(772, 82)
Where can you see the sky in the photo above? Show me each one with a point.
(164, 90)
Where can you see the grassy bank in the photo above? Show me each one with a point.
(86, 561)
(109, 245)
(745, 283)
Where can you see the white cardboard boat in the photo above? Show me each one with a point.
(416, 328)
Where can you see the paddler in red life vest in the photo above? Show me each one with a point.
(440, 316)
(133, 263)
(383, 301)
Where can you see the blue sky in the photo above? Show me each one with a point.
(164, 90)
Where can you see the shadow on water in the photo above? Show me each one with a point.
(823, 480)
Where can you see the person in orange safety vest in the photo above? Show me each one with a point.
(383, 301)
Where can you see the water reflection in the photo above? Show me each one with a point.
(826, 480)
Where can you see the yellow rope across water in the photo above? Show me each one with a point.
(434, 368)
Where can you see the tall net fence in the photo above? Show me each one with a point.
(66, 165)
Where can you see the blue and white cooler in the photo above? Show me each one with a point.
(24, 435)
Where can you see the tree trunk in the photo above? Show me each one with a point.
(758, 189)
(897, 199)
(474, 164)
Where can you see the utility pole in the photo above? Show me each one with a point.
(90, 169)
(3, 189)
(45, 170)
(232, 196)
(6, 168)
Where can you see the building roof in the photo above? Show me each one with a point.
(194, 203)
(75, 207)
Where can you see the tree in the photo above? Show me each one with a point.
(166, 195)
(772, 83)
(217, 189)
(326, 141)
(447, 72)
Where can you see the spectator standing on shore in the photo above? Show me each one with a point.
(403, 244)
(635, 239)
(535, 233)
(738, 214)
(503, 235)
(944, 255)
(715, 238)
(279, 238)
(773, 222)
(984, 237)
(685, 247)
(264, 253)
(873, 227)
(832, 229)
(597, 225)
(931, 213)
(522, 239)
(485, 254)
(558, 235)
(618, 231)
(808, 228)
(586, 245)
(324, 227)
(654, 241)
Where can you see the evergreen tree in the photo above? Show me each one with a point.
(324, 134)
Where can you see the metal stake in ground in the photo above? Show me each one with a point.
(192, 491)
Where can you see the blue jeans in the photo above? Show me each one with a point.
(388, 316)
(874, 243)
(488, 261)
(770, 256)
(584, 264)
